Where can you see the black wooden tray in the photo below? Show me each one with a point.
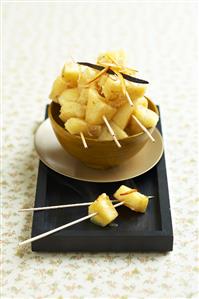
(151, 231)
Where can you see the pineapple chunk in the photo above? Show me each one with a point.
(133, 128)
(69, 95)
(72, 109)
(87, 75)
(132, 199)
(105, 210)
(96, 108)
(136, 91)
(122, 116)
(110, 88)
(119, 133)
(83, 97)
(146, 116)
(58, 87)
(76, 126)
(141, 101)
(70, 73)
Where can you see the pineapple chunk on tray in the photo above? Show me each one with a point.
(105, 210)
(133, 199)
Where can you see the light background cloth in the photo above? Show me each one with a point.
(160, 39)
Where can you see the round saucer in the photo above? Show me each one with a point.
(53, 155)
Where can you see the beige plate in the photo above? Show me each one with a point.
(53, 155)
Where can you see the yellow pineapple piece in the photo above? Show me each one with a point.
(110, 88)
(75, 126)
(85, 76)
(70, 73)
(105, 210)
(132, 198)
(122, 116)
(119, 133)
(146, 116)
(141, 101)
(72, 109)
(97, 108)
(83, 97)
(58, 87)
(136, 91)
(69, 95)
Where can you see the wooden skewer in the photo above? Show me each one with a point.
(63, 226)
(73, 205)
(143, 128)
(111, 131)
(83, 140)
(124, 90)
(129, 99)
(57, 207)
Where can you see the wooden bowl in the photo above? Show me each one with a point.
(99, 154)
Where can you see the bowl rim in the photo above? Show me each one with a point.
(50, 115)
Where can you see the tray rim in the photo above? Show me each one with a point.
(164, 206)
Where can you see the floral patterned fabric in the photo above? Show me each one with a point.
(161, 41)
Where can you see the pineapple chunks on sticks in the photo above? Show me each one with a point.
(75, 126)
(142, 119)
(101, 211)
(105, 210)
(133, 199)
(98, 100)
(112, 133)
(119, 133)
(146, 116)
